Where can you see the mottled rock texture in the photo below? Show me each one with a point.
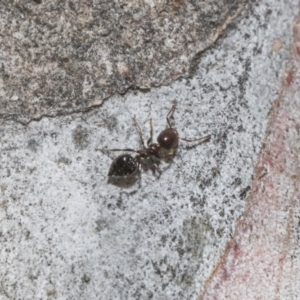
(66, 233)
(262, 261)
(58, 57)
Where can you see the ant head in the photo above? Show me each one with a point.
(168, 138)
(123, 166)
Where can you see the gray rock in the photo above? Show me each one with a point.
(58, 57)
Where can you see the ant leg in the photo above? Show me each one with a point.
(151, 133)
(204, 139)
(156, 167)
(170, 113)
(167, 156)
(108, 150)
(140, 131)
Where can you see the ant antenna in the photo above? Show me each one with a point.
(203, 139)
(170, 114)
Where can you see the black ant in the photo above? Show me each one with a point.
(126, 167)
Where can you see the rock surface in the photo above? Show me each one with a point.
(58, 57)
(262, 261)
(66, 233)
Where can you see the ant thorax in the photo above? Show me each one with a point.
(151, 150)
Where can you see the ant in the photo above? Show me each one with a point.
(125, 167)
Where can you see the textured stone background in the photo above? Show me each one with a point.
(67, 234)
(262, 260)
(58, 57)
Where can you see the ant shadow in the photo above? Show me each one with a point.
(127, 182)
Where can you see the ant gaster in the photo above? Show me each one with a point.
(126, 166)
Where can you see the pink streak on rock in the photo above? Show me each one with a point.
(261, 261)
